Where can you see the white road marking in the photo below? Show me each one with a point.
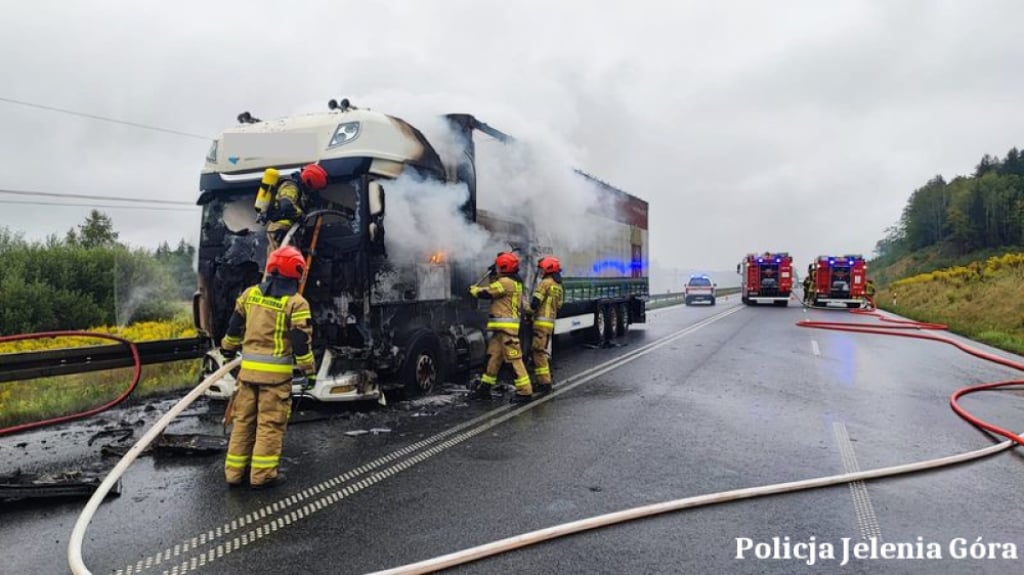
(867, 521)
(814, 347)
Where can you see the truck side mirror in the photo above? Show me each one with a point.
(737, 268)
(376, 193)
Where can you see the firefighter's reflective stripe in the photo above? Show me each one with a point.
(522, 381)
(496, 289)
(280, 325)
(301, 315)
(267, 363)
(265, 461)
(236, 461)
(544, 322)
(307, 358)
(488, 379)
(542, 371)
(232, 340)
(503, 323)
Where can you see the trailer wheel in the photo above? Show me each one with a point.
(423, 367)
(622, 320)
(599, 333)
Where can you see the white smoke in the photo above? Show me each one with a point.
(424, 218)
(531, 180)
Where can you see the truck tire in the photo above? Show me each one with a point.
(782, 303)
(622, 320)
(712, 301)
(687, 301)
(600, 332)
(423, 367)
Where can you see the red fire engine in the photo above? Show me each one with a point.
(766, 278)
(837, 281)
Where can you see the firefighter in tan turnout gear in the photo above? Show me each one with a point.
(506, 295)
(279, 203)
(544, 306)
(272, 325)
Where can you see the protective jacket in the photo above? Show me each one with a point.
(546, 301)
(506, 294)
(272, 324)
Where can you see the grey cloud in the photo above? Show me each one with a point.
(791, 125)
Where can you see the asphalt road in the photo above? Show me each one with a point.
(702, 399)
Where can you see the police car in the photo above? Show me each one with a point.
(699, 288)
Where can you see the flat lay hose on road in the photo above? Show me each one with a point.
(890, 327)
(75, 561)
(136, 375)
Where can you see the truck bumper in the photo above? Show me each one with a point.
(763, 299)
(838, 302)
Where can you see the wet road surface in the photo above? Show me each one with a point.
(709, 399)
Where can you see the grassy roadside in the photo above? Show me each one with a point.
(982, 300)
(24, 401)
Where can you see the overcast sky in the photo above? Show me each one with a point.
(784, 125)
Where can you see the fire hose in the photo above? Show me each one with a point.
(136, 375)
(891, 327)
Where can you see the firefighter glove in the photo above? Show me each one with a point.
(474, 290)
(228, 354)
(310, 382)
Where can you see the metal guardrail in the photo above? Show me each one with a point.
(34, 364)
(678, 296)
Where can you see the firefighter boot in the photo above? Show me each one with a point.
(277, 480)
(481, 392)
(542, 388)
(520, 399)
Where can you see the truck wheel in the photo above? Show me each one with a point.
(687, 301)
(712, 301)
(423, 367)
(622, 321)
(611, 321)
(599, 333)
(782, 303)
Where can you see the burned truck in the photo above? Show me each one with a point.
(388, 312)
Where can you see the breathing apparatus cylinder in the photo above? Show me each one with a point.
(266, 193)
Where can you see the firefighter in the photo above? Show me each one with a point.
(506, 294)
(544, 306)
(808, 283)
(283, 206)
(869, 291)
(272, 325)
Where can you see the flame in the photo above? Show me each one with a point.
(437, 258)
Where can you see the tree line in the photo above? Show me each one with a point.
(968, 213)
(88, 279)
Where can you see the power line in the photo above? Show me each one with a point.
(104, 118)
(89, 197)
(105, 206)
